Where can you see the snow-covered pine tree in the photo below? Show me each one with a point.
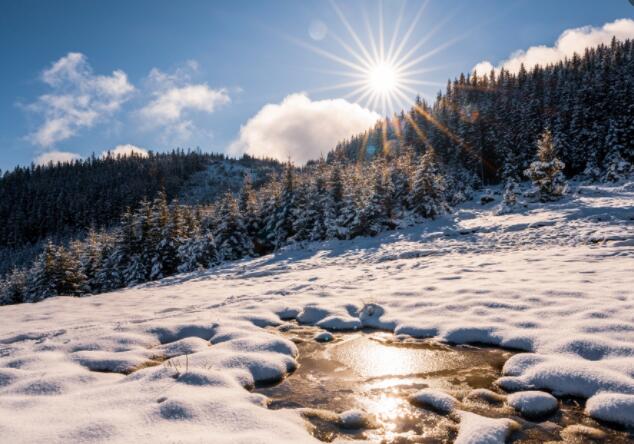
(13, 286)
(232, 238)
(546, 173)
(89, 258)
(130, 259)
(401, 172)
(281, 223)
(592, 171)
(108, 276)
(248, 205)
(428, 190)
(40, 283)
(615, 165)
(318, 203)
(68, 277)
(509, 198)
(166, 225)
(376, 214)
(302, 219)
(333, 215)
(197, 253)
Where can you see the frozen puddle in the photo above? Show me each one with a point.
(371, 378)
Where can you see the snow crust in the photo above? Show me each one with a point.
(533, 402)
(617, 408)
(438, 400)
(173, 360)
(476, 429)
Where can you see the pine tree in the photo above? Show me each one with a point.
(197, 253)
(335, 218)
(375, 216)
(428, 190)
(232, 238)
(318, 203)
(41, 280)
(247, 205)
(616, 167)
(89, 253)
(281, 224)
(509, 199)
(13, 287)
(546, 173)
(303, 218)
(68, 278)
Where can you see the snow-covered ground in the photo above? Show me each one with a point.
(170, 361)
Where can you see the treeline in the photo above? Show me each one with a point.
(39, 201)
(490, 124)
(42, 201)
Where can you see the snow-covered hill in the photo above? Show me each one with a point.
(170, 361)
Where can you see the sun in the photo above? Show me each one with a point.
(384, 72)
(383, 78)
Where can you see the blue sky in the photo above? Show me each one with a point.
(162, 74)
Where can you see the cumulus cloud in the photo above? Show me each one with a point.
(300, 128)
(176, 98)
(54, 157)
(169, 106)
(125, 150)
(79, 99)
(569, 42)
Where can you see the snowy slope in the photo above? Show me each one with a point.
(554, 281)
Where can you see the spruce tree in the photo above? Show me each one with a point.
(546, 173)
(41, 279)
(428, 190)
(232, 238)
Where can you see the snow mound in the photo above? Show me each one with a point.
(437, 400)
(339, 323)
(533, 403)
(185, 346)
(565, 375)
(612, 407)
(476, 429)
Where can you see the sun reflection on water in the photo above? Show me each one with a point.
(373, 359)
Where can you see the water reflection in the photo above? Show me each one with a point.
(376, 373)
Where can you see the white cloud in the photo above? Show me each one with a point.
(125, 150)
(176, 98)
(54, 157)
(301, 128)
(569, 42)
(79, 99)
(169, 106)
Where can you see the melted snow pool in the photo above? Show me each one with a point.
(377, 374)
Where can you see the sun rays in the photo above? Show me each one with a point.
(382, 71)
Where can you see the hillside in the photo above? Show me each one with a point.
(489, 123)
(552, 280)
(61, 202)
